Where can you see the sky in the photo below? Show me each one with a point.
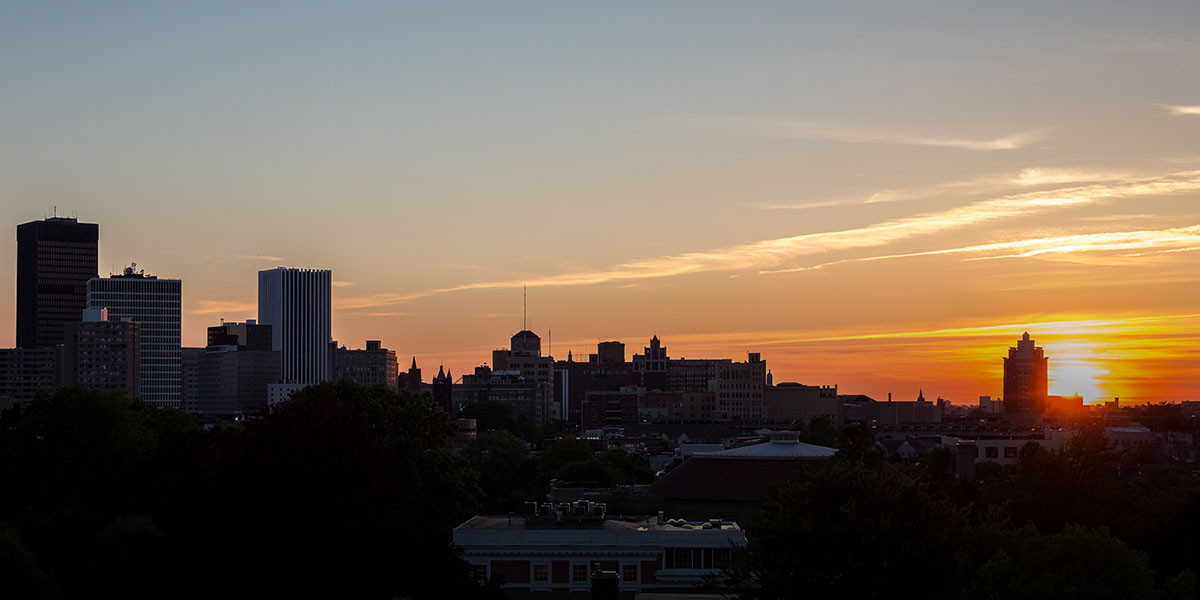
(876, 195)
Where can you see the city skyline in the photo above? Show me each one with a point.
(883, 203)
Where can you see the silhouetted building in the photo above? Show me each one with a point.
(677, 407)
(526, 398)
(605, 371)
(102, 354)
(189, 379)
(793, 402)
(250, 335)
(236, 371)
(525, 357)
(610, 353)
(443, 391)
(739, 388)
(155, 305)
(611, 409)
(26, 371)
(375, 365)
(296, 303)
(1026, 375)
(412, 379)
(55, 259)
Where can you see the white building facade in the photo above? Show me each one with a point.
(155, 305)
(296, 303)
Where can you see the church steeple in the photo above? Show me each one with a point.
(921, 396)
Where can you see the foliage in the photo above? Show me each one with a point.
(343, 487)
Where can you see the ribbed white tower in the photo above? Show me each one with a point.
(296, 304)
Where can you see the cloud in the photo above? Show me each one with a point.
(1180, 111)
(262, 257)
(824, 130)
(339, 284)
(766, 255)
(208, 307)
(1027, 177)
(1179, 239)
(385, 314)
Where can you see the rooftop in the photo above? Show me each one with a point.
(506, 522)
(783, 445)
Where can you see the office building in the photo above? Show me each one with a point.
(296, 303)
(795, 403)
(55, 259)
(611, 409)
(1026, 378)
(189, 379)
(102, 354)
(155, 305)
(375, 365)
(236, 369)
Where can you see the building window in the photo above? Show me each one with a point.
(1010, 452)
(479, 572)
(541, 573)
(629, 573)
(579, 573)
(991, 452)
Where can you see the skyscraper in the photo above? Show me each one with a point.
(55, 259)
(296, 304)
(155, 305)
(1026, 371)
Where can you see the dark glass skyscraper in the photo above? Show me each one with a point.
(55, 259)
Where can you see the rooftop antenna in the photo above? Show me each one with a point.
(524, 307)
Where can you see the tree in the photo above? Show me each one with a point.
(844, 530)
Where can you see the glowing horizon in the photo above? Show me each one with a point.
(881, 203)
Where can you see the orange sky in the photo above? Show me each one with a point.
(880, 199)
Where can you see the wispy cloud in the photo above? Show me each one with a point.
(262, 257)
(826, 130)
(342, 284)
(994, 183)
(385, 314)
(1181, 110)
(208, 307)
(773, 253)
(1179, 239)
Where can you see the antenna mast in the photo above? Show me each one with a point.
(524, 307)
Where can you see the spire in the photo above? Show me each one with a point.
(414, 364)
(441, 372)
(921, 395)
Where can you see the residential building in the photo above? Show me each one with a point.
(1026, 375)
(24, 372)
(739, 388)
(296, 303)
(102, 354)
(55, 259)
(155, 305)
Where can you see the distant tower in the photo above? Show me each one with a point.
(414, 377)
(55, 259)
(1026, 374)
(443, 391)
(296, 303)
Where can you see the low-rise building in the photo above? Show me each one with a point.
(555, 550)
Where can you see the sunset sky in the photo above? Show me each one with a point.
(881, 196)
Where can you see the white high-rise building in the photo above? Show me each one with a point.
(155, 305)
(296, 304)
